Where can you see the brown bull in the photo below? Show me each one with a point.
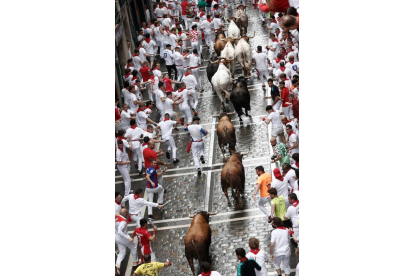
(226, 133)
(218, 43)
(198, 239)
(232, 176)
(242, 20)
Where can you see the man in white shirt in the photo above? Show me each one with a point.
(261, 61)
(136, 203)
(149, 46)
(178, 59)
(143, 53)
(292, 213)
(194, 37)
(160, 99)
(169, 105)
(194, 64)
(293, 141)
(217, 23)
(137, 60)
(206, 268)
(275, 48)
(125, 91)
(274, 117)
(280, 246)
(156, 33)
(118, 200)
(122, 161)
(181, 96)
(169, 60)
(134, 133)
(142, 117)
(132, 99)
(197, 144)
(123, 240)
(191, 83)
(258, 255)
(282, 69)
(293, 66)
(289, 175)
(273, 24)
(206, 26)
(166, 127)
(126, 115)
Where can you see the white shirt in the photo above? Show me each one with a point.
(168, 106)
(213, 273)
(261, 60)
(173, 41)
(274, 25)
(157, 73)
(132, 97)
(142, 119)
(293, 213)
(122, 156)
(149, 47)
(159, 12)
(281, 187)
(142, 53)
(117, 208)
(125, 115)
(125, 93)
(178, 58)
(186, 62)
(168, 56)
(183, 95)
(293, 67)
(207, 26)
(217, 23)
(261, 257)
(137, 64)
(280, 239)
(195, 132)
(166, 22)
(121, 229)
(190, 82)
(166, 128)
(289, 178)
(135, 205)
(148, 134)
(194, 60)
(158, 95)
(275, 44)
(293, 138)
(134, 135)
(274, 117)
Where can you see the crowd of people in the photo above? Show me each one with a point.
(177, 33)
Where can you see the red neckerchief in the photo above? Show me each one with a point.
(201, 14)
(118, 203)
(282, 68)
(186, 74)
(274, 21)
(120, 138)
(152, 77)
(295, 203)
(205, 273)
(134, 127)
(147, 40)
(209, 20)
(275, 40)
(297, 164)
(195, 55)
(278, 60)
(127, 75)
(243, 260)
(291, 133)
(291, 62)
(136, 196)
(118, 218)
(166, 120)
(184, 54)
(135, 55)
(139, 110)
(134, 78)
(181, 89)
(179, 33)
(144, 144)
(129, 66)
(255, 251)
(215, 9)
(280, 227)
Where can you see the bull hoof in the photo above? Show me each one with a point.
(229, 204)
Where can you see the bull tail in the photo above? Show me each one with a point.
(227, 94)
(200, 262)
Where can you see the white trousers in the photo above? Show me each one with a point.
(149, 92)
(161, 109)
(122, 245)
(186, 112)
(184, 17)
(288, 111)
(124, 171)
(263, 75)
(196, 73)
(195, 45)
(150, 192)
(286, 263)
(137, 156)
(262, 202)
(277, 105)
(209, 41)
(153, 259)
(171, 146)
(193, 98)
(197, 148)
(180, 73)
(136, 218)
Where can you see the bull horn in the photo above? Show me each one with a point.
(212, 214)
(225, 29)
(215, 116)
(223, 39)
(245, 153)
(190, 216)
(231, 113)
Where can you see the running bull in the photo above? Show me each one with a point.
(225, 132)
(240, 97)
(198, 239)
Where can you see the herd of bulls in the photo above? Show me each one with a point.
(198, 238)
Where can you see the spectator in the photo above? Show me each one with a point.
(246, 266)
(149, 268)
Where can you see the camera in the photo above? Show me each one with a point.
(273, 157)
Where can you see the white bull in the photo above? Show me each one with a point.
(244, 55)
(221, 80)
(229, 53)
(233, 31)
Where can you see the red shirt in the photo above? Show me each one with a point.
(284, 94)
(148, 155)
(168, 86)
(143, 236)
(184, 6)
(117, 115)
(144, 70)
(295, 108)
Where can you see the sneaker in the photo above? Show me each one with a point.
(195, 113)
(202, 159)
(198, 172)
(167, 154)
(175, 161)
(182, 121)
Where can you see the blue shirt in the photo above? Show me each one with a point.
(152, 172)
